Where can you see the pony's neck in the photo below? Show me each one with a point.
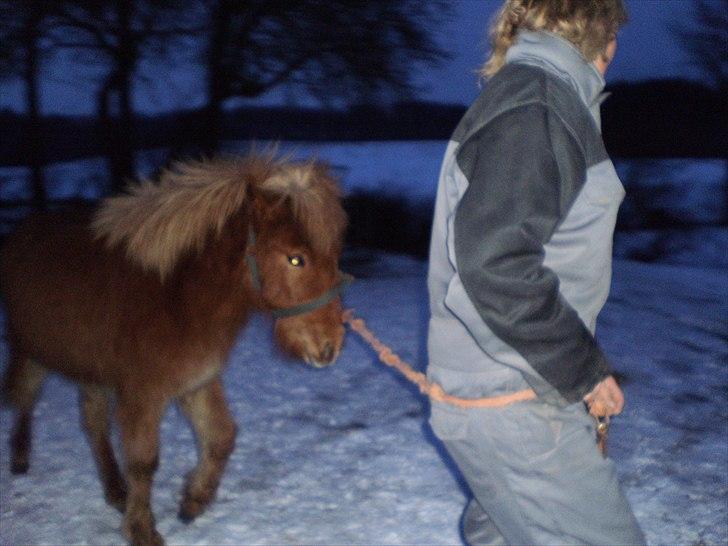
(212, 288)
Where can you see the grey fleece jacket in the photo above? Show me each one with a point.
(520, 256)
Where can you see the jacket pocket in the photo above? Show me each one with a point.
(535, 430)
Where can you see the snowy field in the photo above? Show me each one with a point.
(344, 455)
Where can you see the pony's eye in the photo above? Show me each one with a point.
(296, 261)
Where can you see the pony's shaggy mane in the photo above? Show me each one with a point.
(158, 222)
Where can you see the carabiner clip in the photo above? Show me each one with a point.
(602, 431)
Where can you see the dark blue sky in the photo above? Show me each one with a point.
(647, 49)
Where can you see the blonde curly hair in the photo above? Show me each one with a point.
(588, 24)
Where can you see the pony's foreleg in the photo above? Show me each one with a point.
(94, 402)
(215, 431)
(22, 383)
(139, 417)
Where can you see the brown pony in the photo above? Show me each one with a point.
(141, 300)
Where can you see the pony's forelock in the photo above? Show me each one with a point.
(313, 198)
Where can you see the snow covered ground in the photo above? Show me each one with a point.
(344, 455)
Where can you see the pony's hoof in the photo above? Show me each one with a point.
(140, 531)
(19, 466)
(139, 536)
(190, 509)
(185, 517)
(155, 540)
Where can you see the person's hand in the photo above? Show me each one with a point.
(606, 399)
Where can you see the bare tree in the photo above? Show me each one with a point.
(354, 49)
(22, 28)
(707, 42)
(118, 34)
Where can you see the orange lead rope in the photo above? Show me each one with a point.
(432, 390)
(435, 392)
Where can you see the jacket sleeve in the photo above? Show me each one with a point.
(524, 170)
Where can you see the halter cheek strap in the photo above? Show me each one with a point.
(344, 280)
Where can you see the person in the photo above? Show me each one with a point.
(520, 266)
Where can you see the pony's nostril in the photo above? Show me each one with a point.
(327, 355)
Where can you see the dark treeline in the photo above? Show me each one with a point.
(666, 118)
(78, 137)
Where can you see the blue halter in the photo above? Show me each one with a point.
(344, 280)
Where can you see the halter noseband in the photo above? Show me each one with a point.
(344, 280)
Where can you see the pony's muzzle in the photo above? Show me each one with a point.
(327, 354)
(325, 358)
(316, 337)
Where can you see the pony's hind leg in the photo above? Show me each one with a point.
(94, 403)
(22, 383)
(215, 431)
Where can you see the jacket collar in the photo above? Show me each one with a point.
(561, 58)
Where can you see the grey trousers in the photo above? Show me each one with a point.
(536, 476)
